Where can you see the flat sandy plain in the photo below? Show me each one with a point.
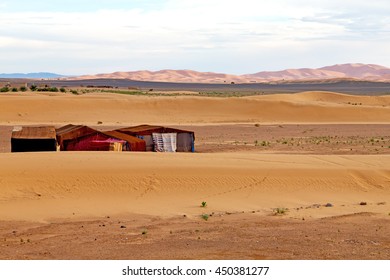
(302, 176)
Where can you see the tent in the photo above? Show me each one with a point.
(185, 140)
(33, 139)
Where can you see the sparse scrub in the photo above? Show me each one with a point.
(128, 92)
(203, 204)
(23, 89)
(205, 217)
(47, 89)
(280, 211)
(4, 89)
(264, 143)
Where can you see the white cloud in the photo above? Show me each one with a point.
(196, 34)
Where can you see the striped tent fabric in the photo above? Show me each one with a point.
(165, 142)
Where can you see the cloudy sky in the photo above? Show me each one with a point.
(236, 37)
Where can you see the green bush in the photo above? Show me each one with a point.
(14, 89)
(4, 89)
(205, 217)
(23, 88)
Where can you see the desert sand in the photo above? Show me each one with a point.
(262, 203)
(119, 109)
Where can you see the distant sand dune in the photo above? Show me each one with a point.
(328, 97)
(114, 109)
(357, 71)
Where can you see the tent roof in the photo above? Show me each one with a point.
(70, 128)
(122, 136)
(34, 132)
(141, 128)
(146, 129)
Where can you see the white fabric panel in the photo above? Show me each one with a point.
(169, 140)
(164, 142)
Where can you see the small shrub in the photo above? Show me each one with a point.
(257, 125)
(62, 89)
(265, 143)
(33, 87)
(23, 89)
(4, 89)
(205, 217)
(74, 92)
(204, 204)
(280, 211)
(14, 89)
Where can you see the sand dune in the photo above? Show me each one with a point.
(358, 71)
(321, 97)
(181, 76)
(42, 186)
(114, 109)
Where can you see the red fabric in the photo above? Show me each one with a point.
(94, 142)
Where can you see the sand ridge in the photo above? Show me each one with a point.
(114, 109)
(340, 71)
(101, 184)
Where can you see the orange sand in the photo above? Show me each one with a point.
(116, 109)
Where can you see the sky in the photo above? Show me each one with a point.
(78, 37)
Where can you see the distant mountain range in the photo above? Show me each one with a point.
(40, 75)
(357, 71)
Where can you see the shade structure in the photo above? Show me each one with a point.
(33, 139)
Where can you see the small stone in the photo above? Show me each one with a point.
(123, 226)
(329, 205)
(363, 203)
